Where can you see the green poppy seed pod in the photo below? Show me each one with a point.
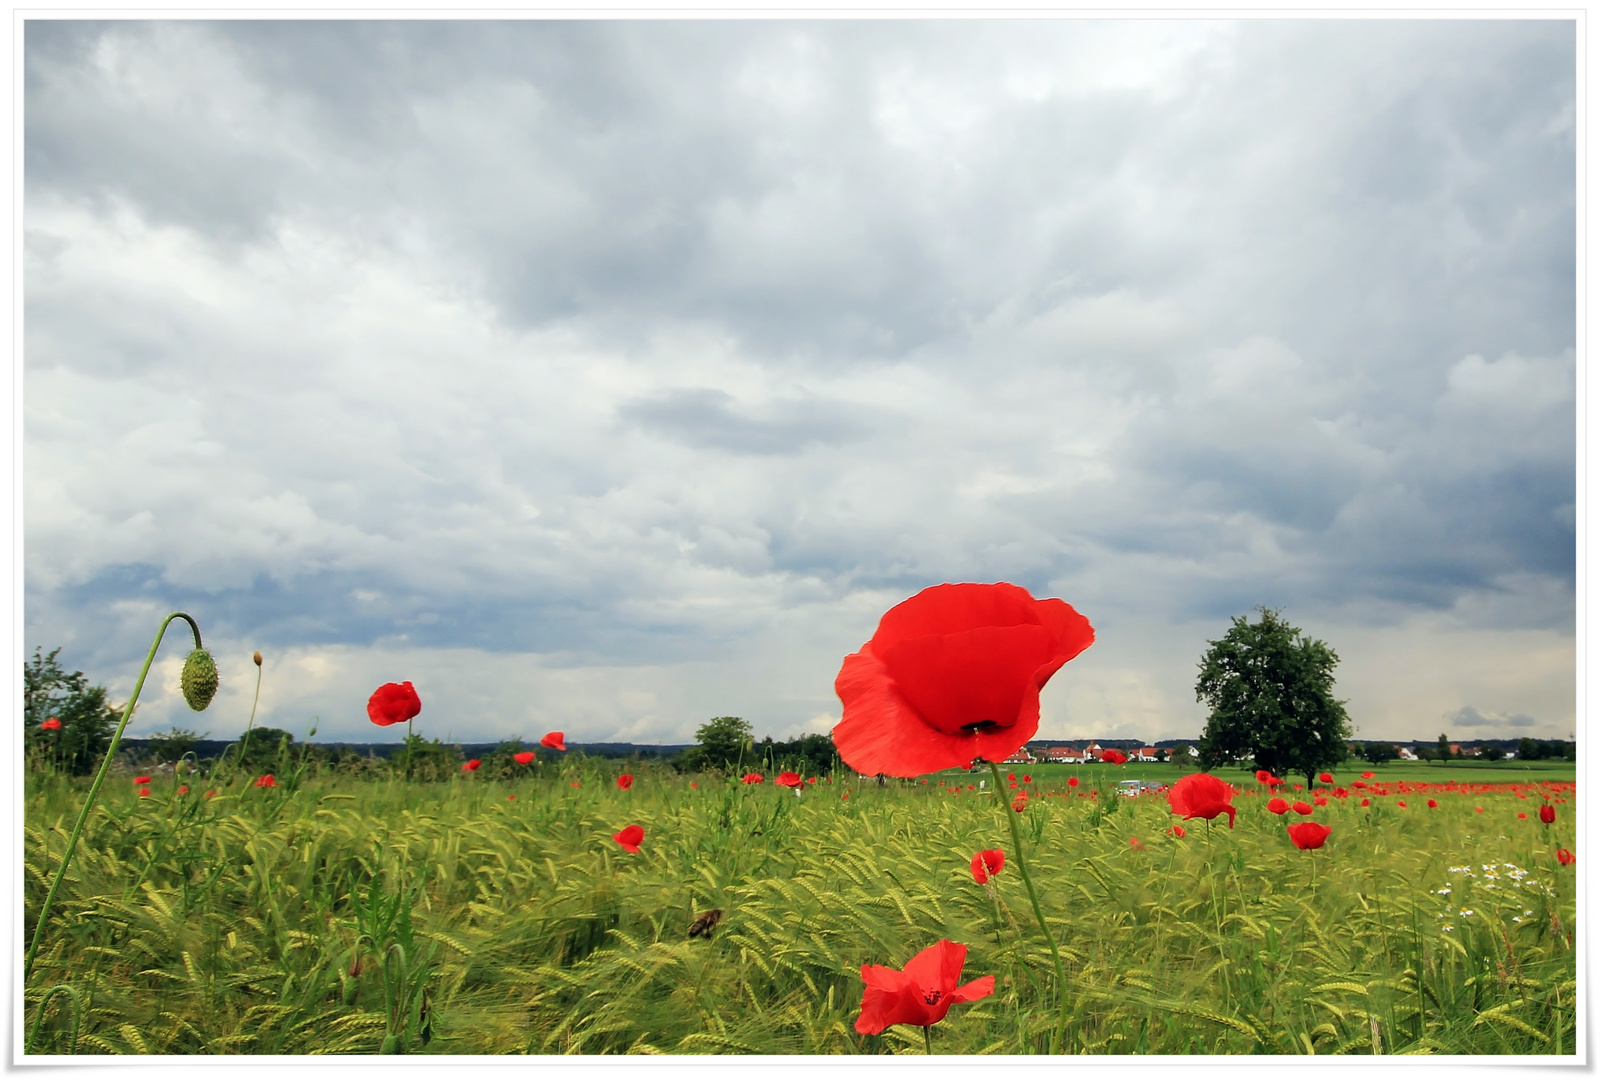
(199, 680)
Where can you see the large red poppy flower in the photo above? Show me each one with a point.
(986, 864)
(1308, 834)
(921, 994)
(1325, 778)
(625, 781)
(788, 779)
(554, 740)
(953, 674)
(524, 758)
(1201, 795)
(630, 838)
(141, 779)
(1548, 814)
(1367, 776)
(471, 766)
(1113, 757)
(751, 778)
(1072, 781)
(1302, 808)
(393, 703)
(52, 724)
(1276, 805)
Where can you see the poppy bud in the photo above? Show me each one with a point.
(1548, 814)
(199, 680)
(256, 656)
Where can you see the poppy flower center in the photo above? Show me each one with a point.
(931, 997)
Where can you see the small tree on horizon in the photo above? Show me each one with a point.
(1271, 694)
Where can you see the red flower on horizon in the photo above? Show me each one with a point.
(471, 766)
(787, 779)
(1307, 835)
(1325, 778)
(630, 838)
(1113, 757)
(625, 781)
(524, 758)
(1072, 781)
(52, 724)
(393, 703)
(922, 993)
(555, 740)
(1548, 814)
(1202, 795)
(1566, 857)
(1276, 805)
(953, 674)
(1302, 808)
(751, 778)
(986, 864)
(1367, 776)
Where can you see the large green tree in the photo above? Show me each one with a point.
(1270, 689)
(721, 743)
(87, 718)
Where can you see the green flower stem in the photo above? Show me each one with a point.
(94, 789)
(244, 744)
(1033, 897)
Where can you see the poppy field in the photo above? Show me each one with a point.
(571, 911)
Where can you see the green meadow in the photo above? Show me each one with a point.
(332, 915)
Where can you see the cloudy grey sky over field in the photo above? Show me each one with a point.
(611, 376)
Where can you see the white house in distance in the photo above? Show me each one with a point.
(1144, 753)
(1406, 753)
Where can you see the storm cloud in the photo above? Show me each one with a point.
(614, 375)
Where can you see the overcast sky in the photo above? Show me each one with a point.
(612, 376)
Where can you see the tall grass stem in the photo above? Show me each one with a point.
(94, 789)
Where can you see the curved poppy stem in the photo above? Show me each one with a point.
(94, 789)
(928, 1042)
(244, 744)
(1033, 897)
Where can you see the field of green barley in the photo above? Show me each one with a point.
(341, 916)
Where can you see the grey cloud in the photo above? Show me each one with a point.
(1469, 717)
(709, 419)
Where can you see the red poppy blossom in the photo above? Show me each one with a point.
(266, 781)
(1566, 857)
(1072, 781)
(555, 740)
(1367, 776)
(1548, 814)
(1201, 795)
(986, 864)
(1365, 801)
(210, 794)
(52, 724)
(811, 780)
(1433, 805)
(1320, 800)
(1325, 778)
(625, 781)
(1113, 757)
(1521, 817)
(953, 674)
(511, 798)
(1177, 832)
(630, 838)
(1276, 805)
(524, 758)
(1263, 776)
(787, 779)
(575, 783)
(1302, 808)
(144, 793)
(1307, 835)
(1478, 809)
(1011, 776)
(393, 703)
(751, 778)
(1401, 803)
(1027, 779)
(141, 780)
(922, 993)
(694, 785)
(184, 790)
(471, 766)
(1020, 803)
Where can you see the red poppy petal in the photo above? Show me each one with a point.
(880, 732)
(978, 988)
(956, 680)
(951, 609)
(938, 966)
